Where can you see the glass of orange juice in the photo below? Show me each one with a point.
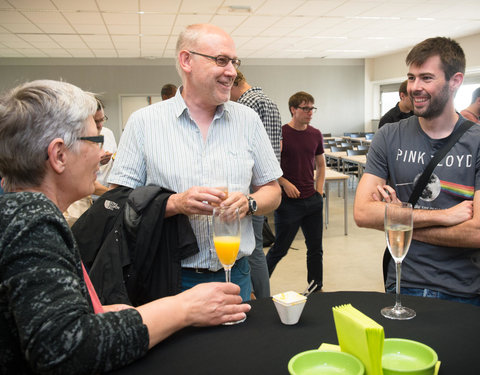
(226, 238)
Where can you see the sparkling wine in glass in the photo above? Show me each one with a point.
(226, 238)
(398, 231)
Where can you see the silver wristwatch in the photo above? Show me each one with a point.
(252, 205)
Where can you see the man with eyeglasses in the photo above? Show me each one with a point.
(302, 196)
(242, 92)
(181, 142)
(109, 146)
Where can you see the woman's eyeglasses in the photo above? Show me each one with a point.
(99, 139)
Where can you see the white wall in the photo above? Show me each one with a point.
(337, 86)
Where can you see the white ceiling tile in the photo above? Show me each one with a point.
(118, 5)
(9, 38)
(273, 28)
(80, 52)
(98, 41)
(10, 53)
(184, 20)
(170, 53)
(128, 53)
(126, 41)
(241, 40)
(352, 8)
(12, 17)
(157, 19)
(279, 7)
(5, 5)
(124, 29)
(83, 18)
(155, 30)
(91, 29)
(199, 7)
(172, 43)
(316, 8)
(105, 53)
(52, 28)
(46, 44)
(154, 40)
(46, 17)
(228, 20)
(69, 41)
(31, 52)
(32, 5)
(84, 5)
(163, 6)
(56, 52)
(36, 38)
(255, 24)
(22, 28)
(121, 18)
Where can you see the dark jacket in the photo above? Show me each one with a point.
(394, 115)
(132, 252)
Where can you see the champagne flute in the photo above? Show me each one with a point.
(226, 238)
(398, 231)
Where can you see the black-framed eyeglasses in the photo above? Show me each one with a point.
(99, 139)
(220, 60)
(103, 119)
(308, 109)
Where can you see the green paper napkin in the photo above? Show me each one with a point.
(360, 336)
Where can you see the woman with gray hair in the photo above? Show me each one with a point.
(51, 320)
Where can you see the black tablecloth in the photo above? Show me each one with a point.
(263, 345)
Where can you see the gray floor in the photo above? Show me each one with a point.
(351, 262)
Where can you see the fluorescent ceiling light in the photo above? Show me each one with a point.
(240, 8)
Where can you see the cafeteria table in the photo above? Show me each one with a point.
(334, 176)
(263, 345)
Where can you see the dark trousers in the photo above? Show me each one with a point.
(291, 215)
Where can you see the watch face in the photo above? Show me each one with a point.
(252, 203)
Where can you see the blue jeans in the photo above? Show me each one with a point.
(240, 275)
(291, 215)
(258, 262)
(435, 294)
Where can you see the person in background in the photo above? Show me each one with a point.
(179, 144)
(168, 91)
(302, 198)
(254, 98)
(51, 319)
(78, 208)
(472, 112)
(443, 260)
(403, 109)
(109, 146)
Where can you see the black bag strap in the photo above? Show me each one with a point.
(422, 181)
(439, 155)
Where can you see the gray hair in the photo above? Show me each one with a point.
(31, 116)
(187, 39)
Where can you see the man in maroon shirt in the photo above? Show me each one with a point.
(302, 190)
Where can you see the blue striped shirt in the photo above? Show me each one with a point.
(162, 145)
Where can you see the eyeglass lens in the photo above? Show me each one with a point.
(308, 109)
